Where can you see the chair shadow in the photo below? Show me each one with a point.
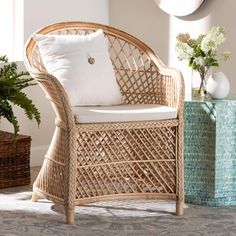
(60, 209)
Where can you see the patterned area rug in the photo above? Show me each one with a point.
(20, 216)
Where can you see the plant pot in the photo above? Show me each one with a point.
(14, 160)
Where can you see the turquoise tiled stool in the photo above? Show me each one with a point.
(210, 152)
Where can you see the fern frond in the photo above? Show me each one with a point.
(11, 84)
(20, 99)
(4, 59)
(7, 112)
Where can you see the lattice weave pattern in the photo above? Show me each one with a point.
(136, 160)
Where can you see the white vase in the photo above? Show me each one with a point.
(218, 85)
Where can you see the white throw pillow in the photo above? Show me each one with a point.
(82, 64)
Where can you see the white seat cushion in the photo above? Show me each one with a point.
(122, 113)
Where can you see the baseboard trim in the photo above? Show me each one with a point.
(37, 155)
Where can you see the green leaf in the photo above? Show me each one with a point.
(20, 99)
(211, 62)
(11, 84)
(7, 112)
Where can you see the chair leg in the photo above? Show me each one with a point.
(179, 207)
(34, 197)
(70, 215)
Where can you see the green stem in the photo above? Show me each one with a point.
(202, 71)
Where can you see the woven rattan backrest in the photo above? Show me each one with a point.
(136, 72)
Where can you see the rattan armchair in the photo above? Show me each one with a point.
(118, 160)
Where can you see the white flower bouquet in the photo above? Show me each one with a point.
(201, 53)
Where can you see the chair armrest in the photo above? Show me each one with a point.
(172, 86)
(58, 97)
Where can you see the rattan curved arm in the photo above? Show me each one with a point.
(173, 82)
(65, 125)
(58, 98)
(52, 87)
(175, 90)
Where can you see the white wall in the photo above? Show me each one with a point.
(38, 14)
(11, 25)
(145, 20)
(41, 13)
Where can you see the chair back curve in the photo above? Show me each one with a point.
(142, 77)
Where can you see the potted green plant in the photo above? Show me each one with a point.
(14, 148)
(12, 83)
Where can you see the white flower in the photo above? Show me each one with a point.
(184, 51)
(225, 55)
(199, 61)
(218, 34)
(208, 44)
(183, 38)
(215, 37)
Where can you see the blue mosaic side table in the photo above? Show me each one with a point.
(210, 152)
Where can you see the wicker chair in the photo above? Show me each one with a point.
(121, 160)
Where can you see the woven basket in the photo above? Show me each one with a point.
(14, 160)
